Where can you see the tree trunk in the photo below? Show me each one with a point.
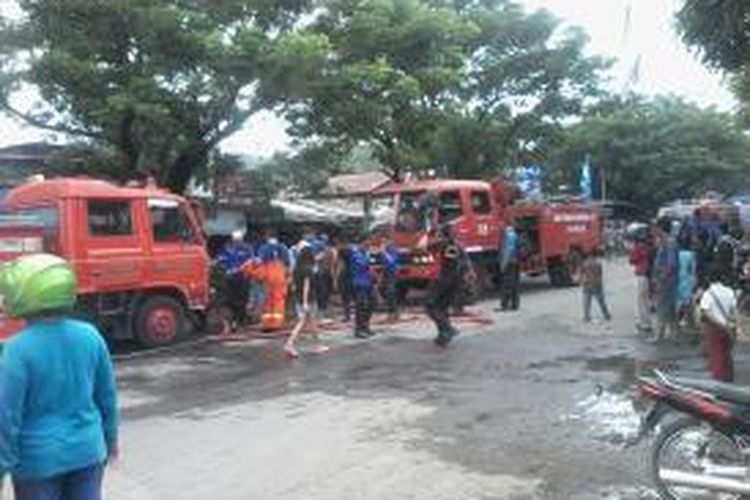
(178, 175)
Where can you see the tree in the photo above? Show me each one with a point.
(652, 151)
(521, 88)
(719, 30)
(393, 69)
(158, 83)
(308, 170)
(454, 84)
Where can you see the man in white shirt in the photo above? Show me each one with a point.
(718, 308)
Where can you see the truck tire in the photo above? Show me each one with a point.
(159, 321)
(557, 273)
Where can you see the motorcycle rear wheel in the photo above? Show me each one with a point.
(703, 449)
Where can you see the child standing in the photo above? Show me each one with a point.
(362, 281)
(391, 262)
(592, 281)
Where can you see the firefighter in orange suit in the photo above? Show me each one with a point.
(271, 268)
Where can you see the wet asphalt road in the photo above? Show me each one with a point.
(533, 405)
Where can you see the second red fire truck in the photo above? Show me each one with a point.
(557, 235)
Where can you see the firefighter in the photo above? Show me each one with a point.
(450, 278)
(391, 261)
(271, 267)
(323, 284)
(363, 281)
(343, 278)
(510, 273)
(234, 256)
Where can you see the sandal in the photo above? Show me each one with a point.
(320, 349)
(291, 352)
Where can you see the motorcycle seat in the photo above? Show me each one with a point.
(722, 390)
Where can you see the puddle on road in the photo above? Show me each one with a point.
(610, 411)
(611, 417)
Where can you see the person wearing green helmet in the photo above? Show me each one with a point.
(58, 400)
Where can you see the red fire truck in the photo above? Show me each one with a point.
(558, 235)
(139, 253)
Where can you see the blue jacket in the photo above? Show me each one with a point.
(391, 259)
(359, 267)
(58, 402)
(234, 256)
(508, 248)
(274, 250)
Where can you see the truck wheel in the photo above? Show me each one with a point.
(160, 321)
(557, 274)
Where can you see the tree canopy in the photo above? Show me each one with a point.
(466, 87)
(158, 83)
(452, 84)
(719, 30)
(652, 151)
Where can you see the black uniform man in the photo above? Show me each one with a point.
(441, 293)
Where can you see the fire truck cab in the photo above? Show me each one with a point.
(139, 254)
(420, 207)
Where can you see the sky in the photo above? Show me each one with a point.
(647, 34)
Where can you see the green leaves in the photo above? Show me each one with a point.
(459, 85)
(719, 30)
(654, 151)
(160, 82)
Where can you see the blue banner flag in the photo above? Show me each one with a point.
(586, 182)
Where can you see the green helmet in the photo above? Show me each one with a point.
(34, 284)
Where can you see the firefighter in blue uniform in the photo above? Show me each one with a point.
(362, 280)
(234, 256)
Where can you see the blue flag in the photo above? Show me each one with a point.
(529, 180)
(586, 184)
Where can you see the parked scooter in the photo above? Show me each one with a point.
(704, 452)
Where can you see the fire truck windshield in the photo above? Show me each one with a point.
(412, 213)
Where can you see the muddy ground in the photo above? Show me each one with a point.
(532, 404)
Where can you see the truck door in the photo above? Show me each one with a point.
(485, 221)
(114, 254)
(179, 254)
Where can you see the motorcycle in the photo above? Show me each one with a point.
(704, 452)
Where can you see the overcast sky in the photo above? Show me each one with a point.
(647, 33)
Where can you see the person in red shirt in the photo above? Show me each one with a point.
(640, 259)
